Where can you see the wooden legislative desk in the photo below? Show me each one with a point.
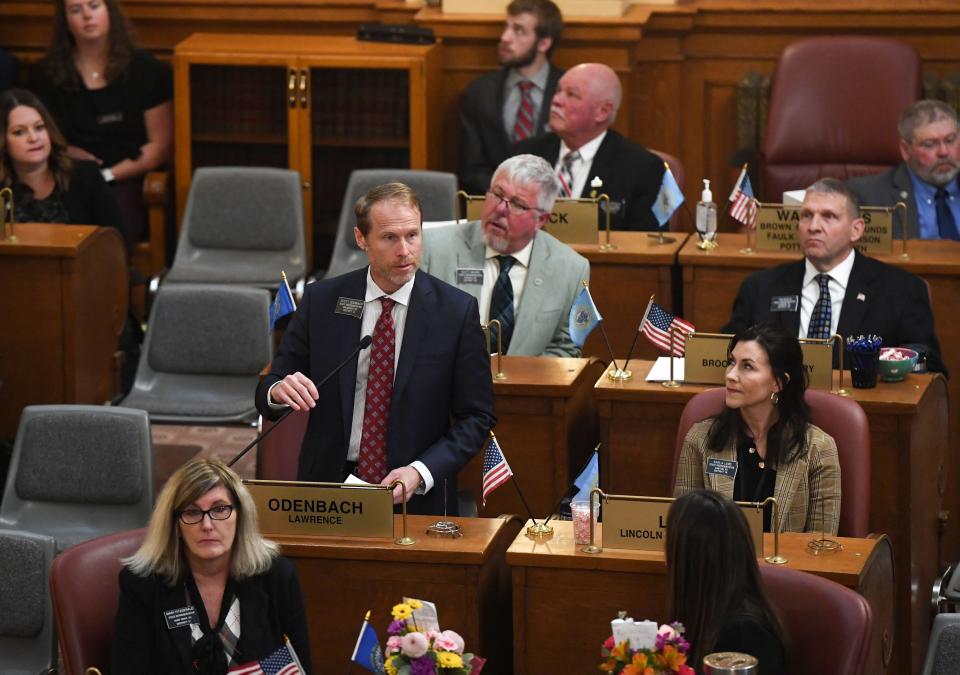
(621, 282)
(547, 426)
(466, 578)
(711, 280)
(563, 599)
(63, 303)
(909, 453)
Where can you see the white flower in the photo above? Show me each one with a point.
(596, 183)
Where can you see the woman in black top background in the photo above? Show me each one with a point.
(713, 583)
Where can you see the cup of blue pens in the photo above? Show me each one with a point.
(863, 356)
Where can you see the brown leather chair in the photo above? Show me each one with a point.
(676, 168)
(278, 453)
(85, 593)
(840, 417)
(834, 107)
(827, 625)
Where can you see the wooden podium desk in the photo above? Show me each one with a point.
(909, 465)
(64, 302)
(621, 282)
(563, 599)
(711, 280)
(547, 426)
(467, 578)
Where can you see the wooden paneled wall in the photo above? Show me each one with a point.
(679, 66)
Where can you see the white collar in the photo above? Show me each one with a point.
(840, 272)
(522, 256)
(587, 151)
(401, 295)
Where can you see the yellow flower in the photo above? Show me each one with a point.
(414, 603)
(449, 660)
(390, 666)
(401, 612)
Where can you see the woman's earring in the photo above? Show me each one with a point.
(775, 397)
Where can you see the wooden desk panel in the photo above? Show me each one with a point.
(909, 456)
(621, 282)
(63, 305)
(554, 581)
(547, 426)
(466, 578)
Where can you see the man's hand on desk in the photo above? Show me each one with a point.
(296, 390)
(411, 481)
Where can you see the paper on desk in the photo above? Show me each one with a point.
(794, 196)
(660, 372)
(425, 618)
(357, 482)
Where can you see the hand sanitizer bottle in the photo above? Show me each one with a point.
(706, 214)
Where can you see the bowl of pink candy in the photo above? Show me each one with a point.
(896, 362)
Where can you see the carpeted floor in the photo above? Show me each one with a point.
(173, 445)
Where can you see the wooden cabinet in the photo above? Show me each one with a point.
(322, 105)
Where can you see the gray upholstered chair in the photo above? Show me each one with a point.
(242, 225)
(943, 650)
(28, 641)
(79, 472)
(437, 191)
(204, 349)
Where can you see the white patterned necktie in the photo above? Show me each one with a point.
(566, 174)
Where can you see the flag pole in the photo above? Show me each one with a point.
(636, 336)
(671, 383)
(536, 528)
(739, 184)
(559, 503)
(660, 239)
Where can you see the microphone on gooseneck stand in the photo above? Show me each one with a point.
(364, 343)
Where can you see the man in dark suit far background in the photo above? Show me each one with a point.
(836, 289)
(513, 103)
(416, 405)
(590, 157)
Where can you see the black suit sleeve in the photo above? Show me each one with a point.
(293, 356)
(293, 614)
(130, 651)
(649, 176)
(744, 305)
(476, 164)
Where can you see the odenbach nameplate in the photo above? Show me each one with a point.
(322, 509)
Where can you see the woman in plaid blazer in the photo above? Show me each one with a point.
(763, 443)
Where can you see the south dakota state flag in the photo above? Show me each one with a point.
(584, 317)
(283, 304)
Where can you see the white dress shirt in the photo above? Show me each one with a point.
(518, 277)
(839, 278)
(580, 169)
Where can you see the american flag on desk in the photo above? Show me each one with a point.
(743, 207)
(657, 323)
(496, 471)
(284, 661)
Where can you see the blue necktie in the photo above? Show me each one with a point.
(945, 222)
(501, 302)
(822, 312)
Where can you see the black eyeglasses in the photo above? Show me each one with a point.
(516, 208)
(194, 516)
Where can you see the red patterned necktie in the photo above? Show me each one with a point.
(372, 464)
(566, 173)
(523, 127)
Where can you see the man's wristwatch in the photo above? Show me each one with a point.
(107, 174)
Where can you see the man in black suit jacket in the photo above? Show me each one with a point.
(490, 104)
(441, 404)
(866, 296)
(930, 148)
(584, 107)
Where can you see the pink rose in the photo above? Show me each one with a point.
(667, 632)
(450, 641)
(393, 644)
(432, 634)
(414, 645)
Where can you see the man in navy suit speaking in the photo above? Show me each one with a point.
(416, 405)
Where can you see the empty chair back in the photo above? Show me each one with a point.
(204, 349)
(834, 108)
(79, 472)
(437, 191)
(28, 642)
(278, 454)
(85, 594)
(825, 623)
(943, 650)
(840, 417)
(241, 225)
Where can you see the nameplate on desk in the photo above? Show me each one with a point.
(705, 360)
(642, 525)
(322, 510)
(778, 225)
(572, 221)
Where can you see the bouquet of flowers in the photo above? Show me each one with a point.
(413, 650)
(668, 654)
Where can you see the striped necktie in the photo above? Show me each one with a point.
(501, 301)
(566, 174)
(523, 127)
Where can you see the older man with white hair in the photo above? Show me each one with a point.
(588, 156)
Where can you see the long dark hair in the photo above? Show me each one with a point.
(58, 61)
(787, 438)
(60, 164)
(712, 570)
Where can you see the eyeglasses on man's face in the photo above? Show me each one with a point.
(513, 206)
(192, 516)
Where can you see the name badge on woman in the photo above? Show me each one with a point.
(181, 617)
(722, 467)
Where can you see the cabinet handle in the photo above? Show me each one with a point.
(303, 87)
(292, 88)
